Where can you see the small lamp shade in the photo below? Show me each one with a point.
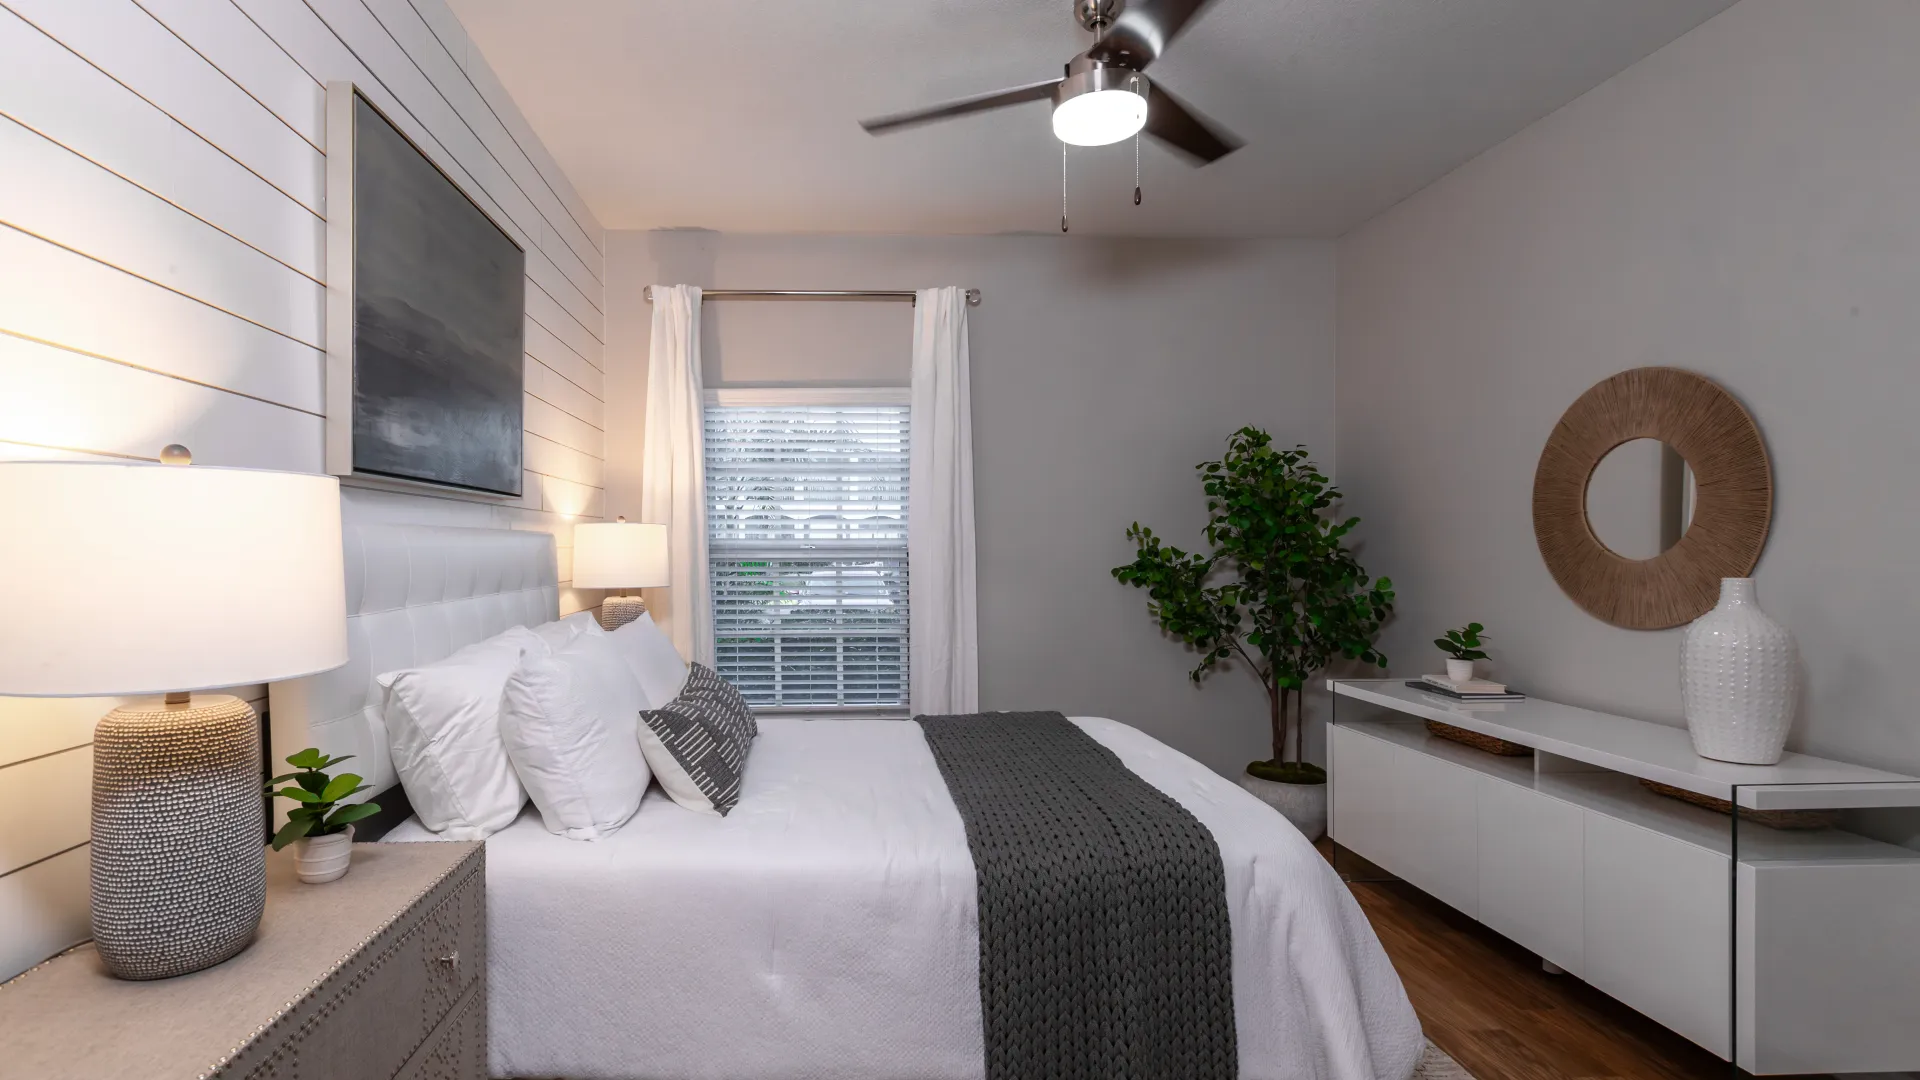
(620, 555)
(146, 579)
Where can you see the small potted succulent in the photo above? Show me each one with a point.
(320, 829)
(1462, 647)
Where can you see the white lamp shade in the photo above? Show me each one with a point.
(620, 555)
(145, 579)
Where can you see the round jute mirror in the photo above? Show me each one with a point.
(1729, 494)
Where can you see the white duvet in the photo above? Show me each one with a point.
(826, 928)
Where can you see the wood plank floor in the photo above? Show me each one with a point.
(1486, 1001)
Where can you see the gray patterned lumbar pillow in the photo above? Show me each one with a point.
(697, 743)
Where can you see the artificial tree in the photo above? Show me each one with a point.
(1279, 590)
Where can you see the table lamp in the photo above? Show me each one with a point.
(123, 579)
(620, 554)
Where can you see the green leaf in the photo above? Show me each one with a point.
(291, 831)
(347, 815)
(297, 795)
(309, 758)
(340, 787)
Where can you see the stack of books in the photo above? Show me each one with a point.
(1469, 690)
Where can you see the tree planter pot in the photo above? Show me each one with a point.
(1305, 805)
(1460, 670)
(320, 859)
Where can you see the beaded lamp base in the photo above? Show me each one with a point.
(618, 611)
(179, 850)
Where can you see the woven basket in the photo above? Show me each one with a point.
(1478, 741)
(1772, 819)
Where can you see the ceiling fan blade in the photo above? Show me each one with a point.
(1143, 30)
(1039, 91)
(1172, 122)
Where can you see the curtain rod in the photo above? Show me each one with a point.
(973, 295)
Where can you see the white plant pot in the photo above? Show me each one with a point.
(1460, 670)
(1739, 679)
(1305, 805)
(320, 859)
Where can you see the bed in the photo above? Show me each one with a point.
(826, 928)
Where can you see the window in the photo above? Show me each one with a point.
(807, 546)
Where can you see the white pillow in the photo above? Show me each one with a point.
(443, 724)
(647, 650)
(571, 726)
(561, 633)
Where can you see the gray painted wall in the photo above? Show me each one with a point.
(1744, 203)
(1103, 371)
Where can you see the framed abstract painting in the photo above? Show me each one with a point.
(426, 297)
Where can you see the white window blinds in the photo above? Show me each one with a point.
(807, 548)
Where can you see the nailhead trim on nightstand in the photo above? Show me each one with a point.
(363, 966)
(353, 972)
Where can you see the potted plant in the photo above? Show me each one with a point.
(1462, 647)
(1279, 591)
(320, 829)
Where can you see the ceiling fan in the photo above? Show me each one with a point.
(1105, 96)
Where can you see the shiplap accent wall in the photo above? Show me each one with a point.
(162, 279)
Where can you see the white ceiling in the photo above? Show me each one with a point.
(741, 116)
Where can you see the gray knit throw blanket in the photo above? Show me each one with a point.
(1105, 952)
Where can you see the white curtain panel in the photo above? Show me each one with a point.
(945, 620)
(674, 479)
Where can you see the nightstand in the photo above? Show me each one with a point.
(380, 974)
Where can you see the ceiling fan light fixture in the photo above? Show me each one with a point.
(1099, 118)
(1101, 96)
(1100, 106)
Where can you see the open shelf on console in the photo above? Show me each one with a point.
(1621, 796)
(1619, 744)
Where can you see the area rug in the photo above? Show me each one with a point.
(1436, 1065)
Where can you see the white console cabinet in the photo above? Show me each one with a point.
(1785, 951)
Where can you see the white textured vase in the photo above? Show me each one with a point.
(1739, 679)
(1305, 805)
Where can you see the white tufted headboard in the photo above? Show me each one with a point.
(415, 593)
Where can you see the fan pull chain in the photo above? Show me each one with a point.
(1063, 187)
(1136, 168)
